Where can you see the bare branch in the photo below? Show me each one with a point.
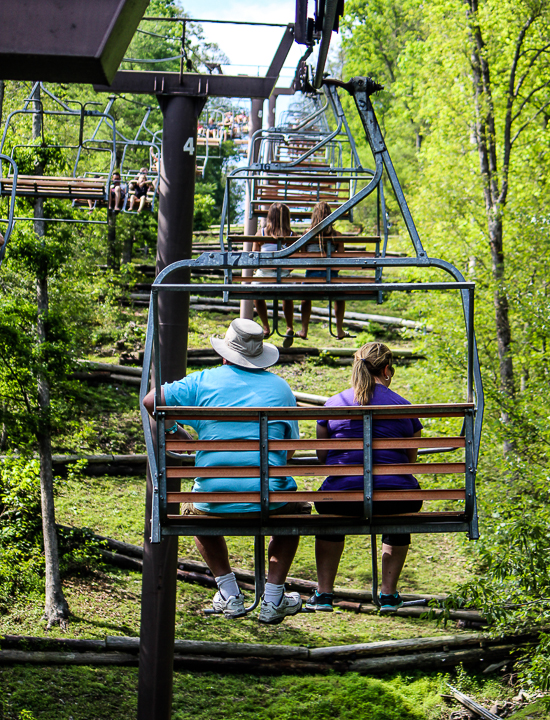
(509, 106)
(526, 99)
(528, 122)
(530, 64)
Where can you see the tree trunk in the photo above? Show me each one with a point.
(128, 247)
(494, 192)
(56, 608)
(503, 330)
(113, 261)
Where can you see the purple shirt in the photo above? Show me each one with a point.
(353, 428)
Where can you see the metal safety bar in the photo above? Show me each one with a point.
(10, 220)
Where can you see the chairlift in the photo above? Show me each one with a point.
(84, 184)
(167, 520)
(300, 168)
(132, 159)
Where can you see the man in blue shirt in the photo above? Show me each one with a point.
(242, 381)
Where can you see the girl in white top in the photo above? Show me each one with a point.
(277, 225)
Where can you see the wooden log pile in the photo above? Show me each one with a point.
(353, 320)
(432, 653)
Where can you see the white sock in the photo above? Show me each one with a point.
(227, 585)
(273, 593)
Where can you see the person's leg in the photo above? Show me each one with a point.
(393, 559)
(213, 549)
(261, 309)
(288, 310)
(228, 600)
(306, 314)
(118, 203)
(142, 201)
(340, 309)
(281, 552)
(132, 202)
(276, 604)
(327, 558)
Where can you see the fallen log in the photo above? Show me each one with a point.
(391, 647)
(254, 666)
(111, 368)
(218, 649)
(380, 319)
(430, 660)
(39, 657)
(46, 643)
(472, 705)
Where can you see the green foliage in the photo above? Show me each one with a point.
(430, 114)
(21, 561)
(203, 212)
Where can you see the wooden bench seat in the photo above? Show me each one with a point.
(294, 279)
(346, 239)
(57, 187)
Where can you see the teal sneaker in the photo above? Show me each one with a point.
(390, 602)
(320, 602)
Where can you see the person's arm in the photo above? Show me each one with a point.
(322, 434)
(149, 405)
(149, 401)
(413, 452)
(256, 246)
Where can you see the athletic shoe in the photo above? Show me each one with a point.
(233, 607)
(320, 602)
(390, 602)
(271, 614)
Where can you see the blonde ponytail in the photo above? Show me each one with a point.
(369, 362)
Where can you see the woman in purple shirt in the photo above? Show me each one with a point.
(370, 379)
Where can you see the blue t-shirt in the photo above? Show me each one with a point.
(353, 428)
(233, 386)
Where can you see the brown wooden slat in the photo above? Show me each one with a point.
(348, 239)
(315, 470)
(317, 496)
(314, 444)
(450, 515)
(290, 280)
(382, 411)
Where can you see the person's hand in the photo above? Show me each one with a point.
(182, 434)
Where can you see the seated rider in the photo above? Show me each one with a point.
(242, 381)
(371, 378)
(140, 185)
(117, 193)
(277, 225)
(319, 245)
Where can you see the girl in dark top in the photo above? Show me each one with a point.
(277, 225)
(371, 378)
(320, 244)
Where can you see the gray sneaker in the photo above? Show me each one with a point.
(271, 614)
(233, 607)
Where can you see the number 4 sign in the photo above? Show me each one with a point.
(189, 146)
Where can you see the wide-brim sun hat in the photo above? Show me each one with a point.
(244, 345)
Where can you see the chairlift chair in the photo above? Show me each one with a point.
(85, 183)
(166, 517)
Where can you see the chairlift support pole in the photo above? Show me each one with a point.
(251, 221)
(175, 225)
